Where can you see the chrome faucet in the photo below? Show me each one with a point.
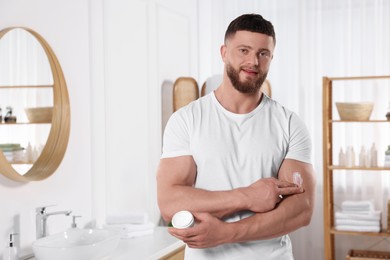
(41, 219)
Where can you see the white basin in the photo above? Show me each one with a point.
(76, 244)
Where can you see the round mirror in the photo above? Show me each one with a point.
(35, 116)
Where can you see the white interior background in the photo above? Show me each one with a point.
(117, 54)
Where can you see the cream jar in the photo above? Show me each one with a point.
(183, 219)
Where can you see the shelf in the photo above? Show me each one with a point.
(334, 167)
(20, 163)
(366, 121)
(358, 78)
(24, 123)
(355, 233)
(28, 86)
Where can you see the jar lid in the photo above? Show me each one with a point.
(183, 219)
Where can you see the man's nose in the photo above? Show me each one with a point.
(253, 59)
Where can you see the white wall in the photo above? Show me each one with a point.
(143, 43)
(64, 24)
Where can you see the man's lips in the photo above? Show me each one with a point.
(250, 71)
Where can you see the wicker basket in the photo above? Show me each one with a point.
(355, 111)
(367, 255)
(39, 114)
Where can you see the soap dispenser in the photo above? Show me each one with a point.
(10, 251)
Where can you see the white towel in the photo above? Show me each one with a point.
(360, 223)
(131, 230)
(137, 233)
(358, 228)
(130, 227)
(363, 205)
(375, 215)
(129, 218)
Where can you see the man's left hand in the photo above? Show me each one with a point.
(208, 231)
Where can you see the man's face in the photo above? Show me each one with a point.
(247, 56)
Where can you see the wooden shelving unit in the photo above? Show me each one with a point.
(329, 169)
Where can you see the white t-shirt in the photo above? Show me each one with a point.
(234, 150)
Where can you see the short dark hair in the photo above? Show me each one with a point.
(250, 22)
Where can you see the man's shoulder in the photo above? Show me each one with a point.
(277, 108)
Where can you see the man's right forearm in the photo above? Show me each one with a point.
(218, 203)
(175, 190)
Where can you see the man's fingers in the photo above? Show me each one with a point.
(290, 190)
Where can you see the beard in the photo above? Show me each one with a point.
(249, 86)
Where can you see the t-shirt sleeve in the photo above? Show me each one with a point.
(176, 136)
(300, 147)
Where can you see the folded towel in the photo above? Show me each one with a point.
(137, 233)
(375, 215)
(360, 223)
(131, 230)
(129, 218)
(358, 228)
(363, 205)
(130, 227)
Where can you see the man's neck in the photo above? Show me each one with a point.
(236, 102)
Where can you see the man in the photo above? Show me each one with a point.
(229, 158)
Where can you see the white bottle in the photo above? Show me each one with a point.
(342, 158)
(362, 157)
(353, 157)
(350, 155)
(10, 251)
(368, 160)
(374, 156)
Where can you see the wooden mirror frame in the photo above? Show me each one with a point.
(57, 141)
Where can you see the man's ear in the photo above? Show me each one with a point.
(223, 52)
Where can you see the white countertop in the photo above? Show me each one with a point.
(149, 247)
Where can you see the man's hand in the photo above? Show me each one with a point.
(208, 231)
(264, 194)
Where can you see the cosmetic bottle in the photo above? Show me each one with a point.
(374, 156)
(387, 157)
(10, 251)
(9, 118)
(350, 155)
(362, 157)
(342, 158)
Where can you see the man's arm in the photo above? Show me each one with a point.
(291, 213)
(176, 177)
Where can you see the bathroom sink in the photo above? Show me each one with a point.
(76, 244)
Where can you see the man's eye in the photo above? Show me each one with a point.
(264, 54)
(244, 51)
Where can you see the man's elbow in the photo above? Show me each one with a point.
(165, 211)
(166, 216)
(307, 213)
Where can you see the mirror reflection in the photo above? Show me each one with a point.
(26, 98)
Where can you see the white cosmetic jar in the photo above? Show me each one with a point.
(183, 219)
